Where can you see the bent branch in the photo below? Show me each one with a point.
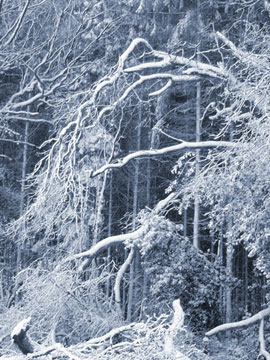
(116, 239)
(156, 152)
(238, 324)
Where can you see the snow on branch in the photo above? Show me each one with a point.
(168, 60)
(94, 342)
(247, 322)
(156, 152)
(116, 239)
(157, 76)
(238, 324)
(263, 351)
(243, 56)
(191, 71)
(15, 28)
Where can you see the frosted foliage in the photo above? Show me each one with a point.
(157, 230)
(59, 302)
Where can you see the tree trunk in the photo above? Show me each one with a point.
(245, 281)
(229, 265)
(124, 292)
(131, 295)
(220, 256)
(109, 234)
(24, 167)
(148, 204)
(98, 219)
(229, 257)
(196, 225)
(185, 222)
(23, 183)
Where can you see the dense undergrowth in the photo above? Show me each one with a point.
(71, 312)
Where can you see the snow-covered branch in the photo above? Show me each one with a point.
(168, 60)
(263, 351)
(15, 28)
(157, 152)
(243, 56)
(247, 322)
(238, 324)
(117, 239)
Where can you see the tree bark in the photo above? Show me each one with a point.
(262, 341)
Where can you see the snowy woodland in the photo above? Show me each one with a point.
(135, 179)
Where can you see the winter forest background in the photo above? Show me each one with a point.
(134, 173)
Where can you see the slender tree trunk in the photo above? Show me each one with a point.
(185, 222)
(23, 184)
(220, 256)
(229, 257)
(196, 222)
(131, 295)
(24, 167)
(124, 292)
(196, 226)
(229, 266)
(148, 203)
(245, 272)
(98, 219)
(152, 139)
(212, 242)
(109, 234)
(117, 287)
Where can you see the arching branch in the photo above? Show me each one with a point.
(117, 239)
(157, 152)
(239, 324)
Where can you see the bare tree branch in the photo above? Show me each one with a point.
(17, 24)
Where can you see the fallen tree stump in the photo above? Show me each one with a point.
(20, 338)
(177, 324)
